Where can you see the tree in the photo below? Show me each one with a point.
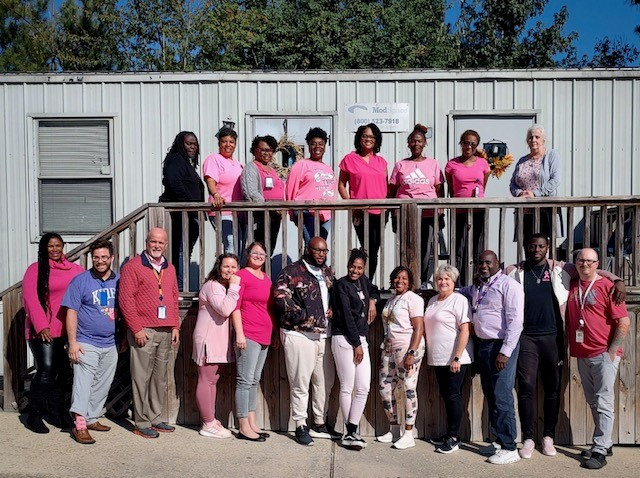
(611, 54)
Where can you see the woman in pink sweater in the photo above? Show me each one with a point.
(212, 340)
(43, 286)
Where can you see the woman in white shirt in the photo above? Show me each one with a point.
(449, 350)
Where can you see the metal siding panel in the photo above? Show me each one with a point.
(443, 104)
(602, 111)
(504, 95)
(561, 139)
(523, 94)
(112, 103)
(463, 98)
(622, 155)
(7, 169)
(247, 101)
(73, 96)
(327, 96)
(347, 93)
(635, 138)
(366, 91)
(134, 189)
(307, 98)
(424, 113)
(53, 94)
(483, 95)
(543, 101)
(287, 96)
(152, 147)
(210, 122)
(267, 96)
(582, 154)
(92, 98)
(189, 101)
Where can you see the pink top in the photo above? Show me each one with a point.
(255, 307)
(212, 333)
(311, 181)
(38, 319)
(397, 314)
(528, 174)
(417, 179)
(366, 180)
(273, 188)
(226, 173)
(466, 178)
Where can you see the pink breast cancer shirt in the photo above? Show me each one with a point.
(226, 173)
(272, 185)
(311, 181)
(366, 180)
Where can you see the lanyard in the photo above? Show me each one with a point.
(159, 279)
(480, 296)
(582, 299)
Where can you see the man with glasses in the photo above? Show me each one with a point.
(302, 298)
(91, 305)
(597, 328)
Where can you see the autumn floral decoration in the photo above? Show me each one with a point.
(497, 155)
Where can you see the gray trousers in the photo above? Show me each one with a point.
(598, 375)
(92, 378)
(249, 365)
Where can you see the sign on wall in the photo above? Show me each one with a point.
(389, 117)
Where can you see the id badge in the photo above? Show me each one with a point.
(104, 298)
(268, 182)
(579, 336)
(162, 312)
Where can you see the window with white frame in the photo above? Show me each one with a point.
(75, 175)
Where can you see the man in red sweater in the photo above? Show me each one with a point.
(149, 302)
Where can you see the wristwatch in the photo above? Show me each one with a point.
(456, 359)
(411, 352)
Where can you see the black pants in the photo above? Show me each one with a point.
(176, 241)
(46, 393)
(538, 354)
(450, 385)
(259, 227)
(374, 240)
(462, 242)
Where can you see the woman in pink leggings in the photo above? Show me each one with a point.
(354, 298)
(212, 347)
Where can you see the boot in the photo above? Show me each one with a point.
(34, 419)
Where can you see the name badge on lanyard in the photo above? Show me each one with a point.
(162, 309)
(162, 312)
(582, 300)
(268, 182)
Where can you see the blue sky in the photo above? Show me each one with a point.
(591, 19)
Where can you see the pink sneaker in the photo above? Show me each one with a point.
(214, 430)
(527, 448)
(547, 446)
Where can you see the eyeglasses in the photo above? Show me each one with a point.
(265, 151)
(319, 251)
(100, 258)
(368, 136)
(258, 254)
(588, 262)
(469, 143)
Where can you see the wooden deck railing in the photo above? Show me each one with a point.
(610, 225)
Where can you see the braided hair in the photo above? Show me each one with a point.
(178, 147)
(44, 268)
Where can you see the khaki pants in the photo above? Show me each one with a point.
(309, 362)
(149, 375)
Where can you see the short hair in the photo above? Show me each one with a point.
(448, 270)
(101, 244)
(316, 133)
(226, 131)
(470, 132)
(178, 146)
(376, 132)
(215, 274)
(396, 272)
(419, 129)
(536, 127)
(539, 235)
(357, 254)
(270, 140)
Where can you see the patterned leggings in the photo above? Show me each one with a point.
(391, 372)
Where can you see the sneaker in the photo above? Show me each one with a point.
(163, 427)
(595, 461)
(405, 441)
(527, 449)
(391, 436)
(322, 431)
(547, 447)
(36, 425)
(146, 432)
(303, 436)
(439, 441)
(587, 453)
(490, 449)
(213, 430)
(353, 441)
(504, 457)
(449, 446)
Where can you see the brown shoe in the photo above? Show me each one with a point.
(82, 436)
(98, 427)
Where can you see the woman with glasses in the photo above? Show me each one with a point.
(366, 174)
(253, 322)
(312, 180)
(260, 182)
(467, 177)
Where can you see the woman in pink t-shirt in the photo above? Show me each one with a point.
(312, 180)
(419, 177)
(467, 177)
(366, 174)
(253, 325)
(260, 182)
(221, 172)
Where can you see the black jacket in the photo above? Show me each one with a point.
(350, 312)
(181, 181)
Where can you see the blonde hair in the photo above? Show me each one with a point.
(447, 269)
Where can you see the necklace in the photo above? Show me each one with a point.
(539, 279)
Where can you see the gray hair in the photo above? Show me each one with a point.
(536, 127)
(447, 270)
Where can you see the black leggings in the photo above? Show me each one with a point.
(538, 353)
(374, 241)
(52, 370)
(450, 385)
(462, 242)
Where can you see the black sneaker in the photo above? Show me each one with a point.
(353, 441)
(587, 453)
(449, 446)
(302, 435)
(323, 431)
(595, 462)
(439, 441)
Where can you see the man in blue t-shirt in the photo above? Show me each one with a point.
(91, 305)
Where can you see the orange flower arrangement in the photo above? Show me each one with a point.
(497, 164)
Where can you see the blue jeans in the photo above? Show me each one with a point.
(227, 235)
(249, 365)
(308, 228)
(497, 387)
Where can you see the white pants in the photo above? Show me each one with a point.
(352, 378)
(309, 362)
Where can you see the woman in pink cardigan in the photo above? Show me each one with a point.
(43, 286)
(212, 348)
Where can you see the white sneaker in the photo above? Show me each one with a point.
(547, 446)
(527, 449)
(405, 441)
(391, 436)
(504, 457)
(215, 430)
(490, 449)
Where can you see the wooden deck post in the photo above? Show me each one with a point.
(409, 246)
